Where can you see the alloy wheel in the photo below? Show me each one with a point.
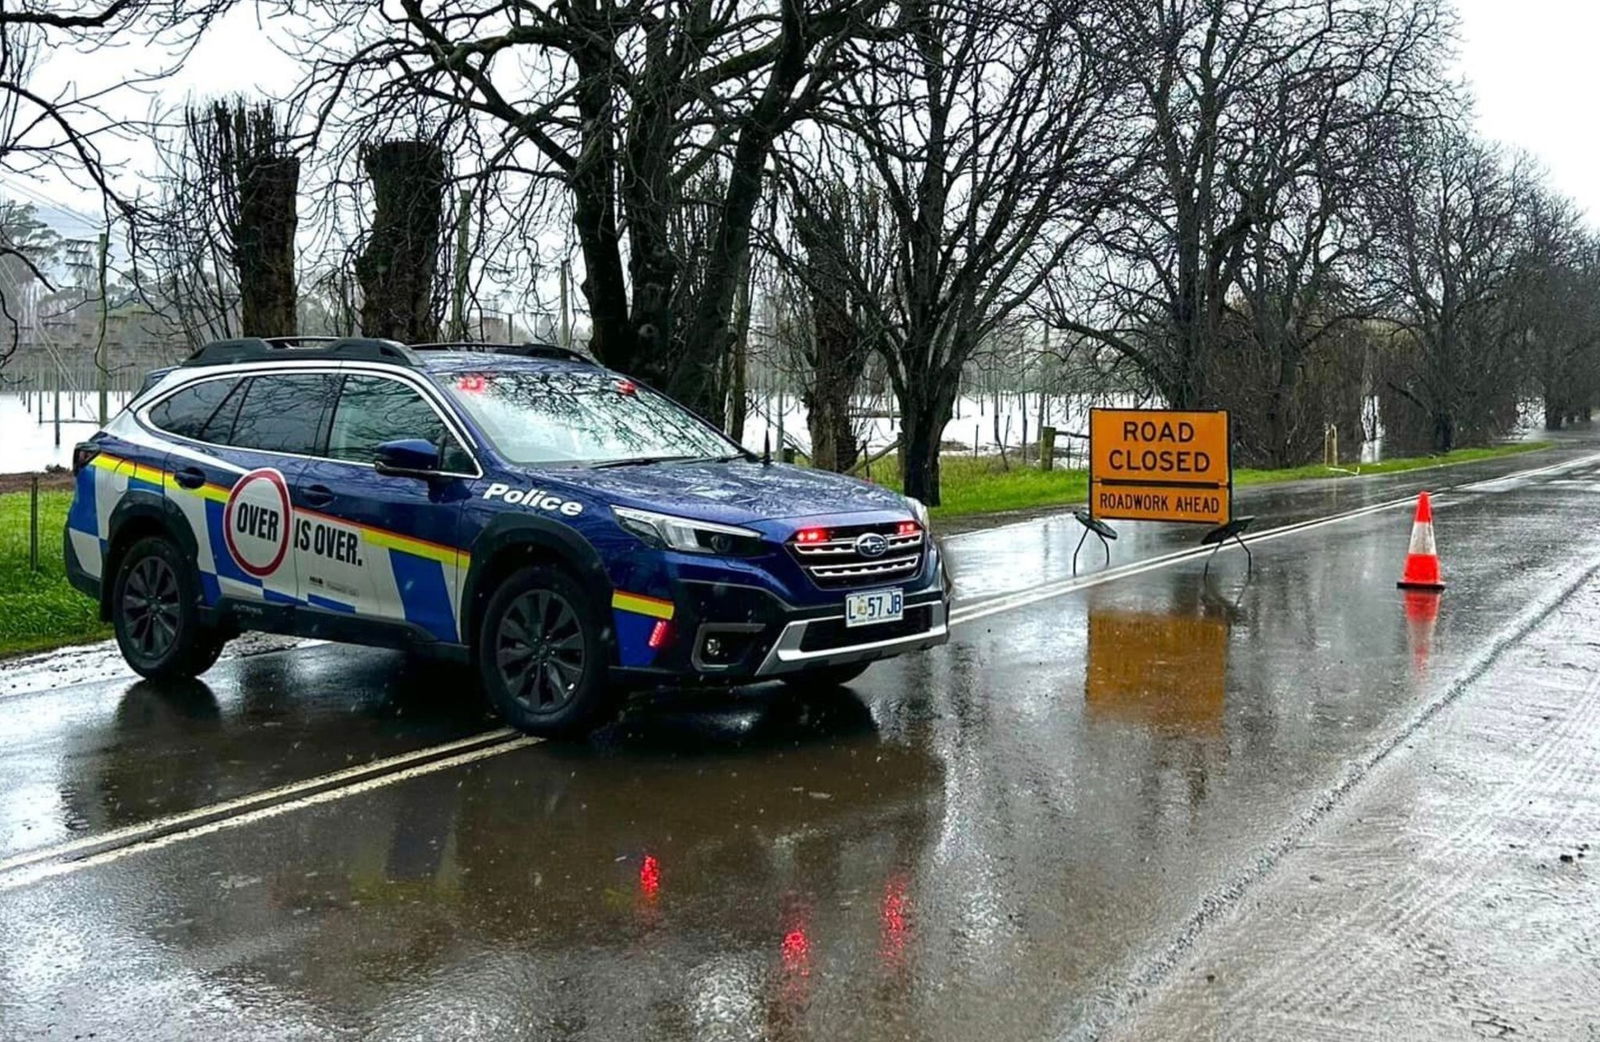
(150, 605)
(540, 650)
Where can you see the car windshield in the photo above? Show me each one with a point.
(582, 419)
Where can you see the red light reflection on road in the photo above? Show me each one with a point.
(895, 914)
(796, 948)
(650, 877)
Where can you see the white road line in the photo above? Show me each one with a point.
(1505, 480)
(36, 873)
(1066, 509)
(1023, 598)
(245, 804)
(49, 862)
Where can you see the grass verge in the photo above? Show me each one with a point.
(986, 486)
(39, 609)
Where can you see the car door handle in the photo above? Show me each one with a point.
(190, 477)
(317, 495)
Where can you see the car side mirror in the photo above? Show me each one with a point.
(408, 458)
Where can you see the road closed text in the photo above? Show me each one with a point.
(1147, 465)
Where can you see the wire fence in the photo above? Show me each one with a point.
(30, 527)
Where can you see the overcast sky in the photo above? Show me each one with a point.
(1535, 70)
(1532, 63)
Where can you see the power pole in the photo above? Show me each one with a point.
(102, 373)
(458, 296)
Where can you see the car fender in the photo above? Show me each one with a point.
(138, 505)
(556, 540)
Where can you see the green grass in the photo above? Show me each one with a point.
(38, 609)
(986, 486)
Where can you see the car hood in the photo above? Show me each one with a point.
(734, 493)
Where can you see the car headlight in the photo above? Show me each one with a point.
(919, 511)
(665, 532)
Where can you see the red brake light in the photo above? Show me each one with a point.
(472, 383)
(627, 387)
(908, 528)
(660, 634)
(808, 536)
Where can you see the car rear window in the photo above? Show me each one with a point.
(187, 412)
(284, 412)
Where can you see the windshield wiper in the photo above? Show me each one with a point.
(640, 461)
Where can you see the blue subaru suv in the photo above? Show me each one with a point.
(562, 528)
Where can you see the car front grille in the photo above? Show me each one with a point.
(838, 563)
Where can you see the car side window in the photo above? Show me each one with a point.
(284, 412)
(375, 409)
(186, 413)
(219, 428)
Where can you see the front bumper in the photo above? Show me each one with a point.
(732, 633)
(789, 655)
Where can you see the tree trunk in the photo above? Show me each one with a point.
(263, 240)
(1554, 411)
(922, 422)
(1444, 432)
(833, 441)
(739, 362)
(397, 266)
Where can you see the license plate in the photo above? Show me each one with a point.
(874, 606)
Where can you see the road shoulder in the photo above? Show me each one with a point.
(1453, 896)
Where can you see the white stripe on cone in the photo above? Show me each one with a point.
(1422, 539)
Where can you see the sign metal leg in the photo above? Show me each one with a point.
(1101, 530)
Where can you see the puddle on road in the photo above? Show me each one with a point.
(1163, 670)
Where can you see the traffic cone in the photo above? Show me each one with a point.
(1422, 560)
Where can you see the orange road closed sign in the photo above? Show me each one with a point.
(1158, 465)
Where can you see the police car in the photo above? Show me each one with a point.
(566, 530)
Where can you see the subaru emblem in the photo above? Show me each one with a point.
(871, 544)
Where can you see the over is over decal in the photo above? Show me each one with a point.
(255, 522)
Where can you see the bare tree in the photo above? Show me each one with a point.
(993, 135)
(216, 253)
(50, 135)
(1258, 111)
(1555, 311)
(835, 272)
(626, 104)
(1450, 231)
(397, 267)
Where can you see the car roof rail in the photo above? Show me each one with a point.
(315, 348)
(527, 349)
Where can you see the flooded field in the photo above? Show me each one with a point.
(30, 440)
(30, 437)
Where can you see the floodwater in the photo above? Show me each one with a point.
(30, 438)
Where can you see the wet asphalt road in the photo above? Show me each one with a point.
(1145, 805)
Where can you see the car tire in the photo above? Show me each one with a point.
(155, 613)
(542, 655)
(827, 676)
